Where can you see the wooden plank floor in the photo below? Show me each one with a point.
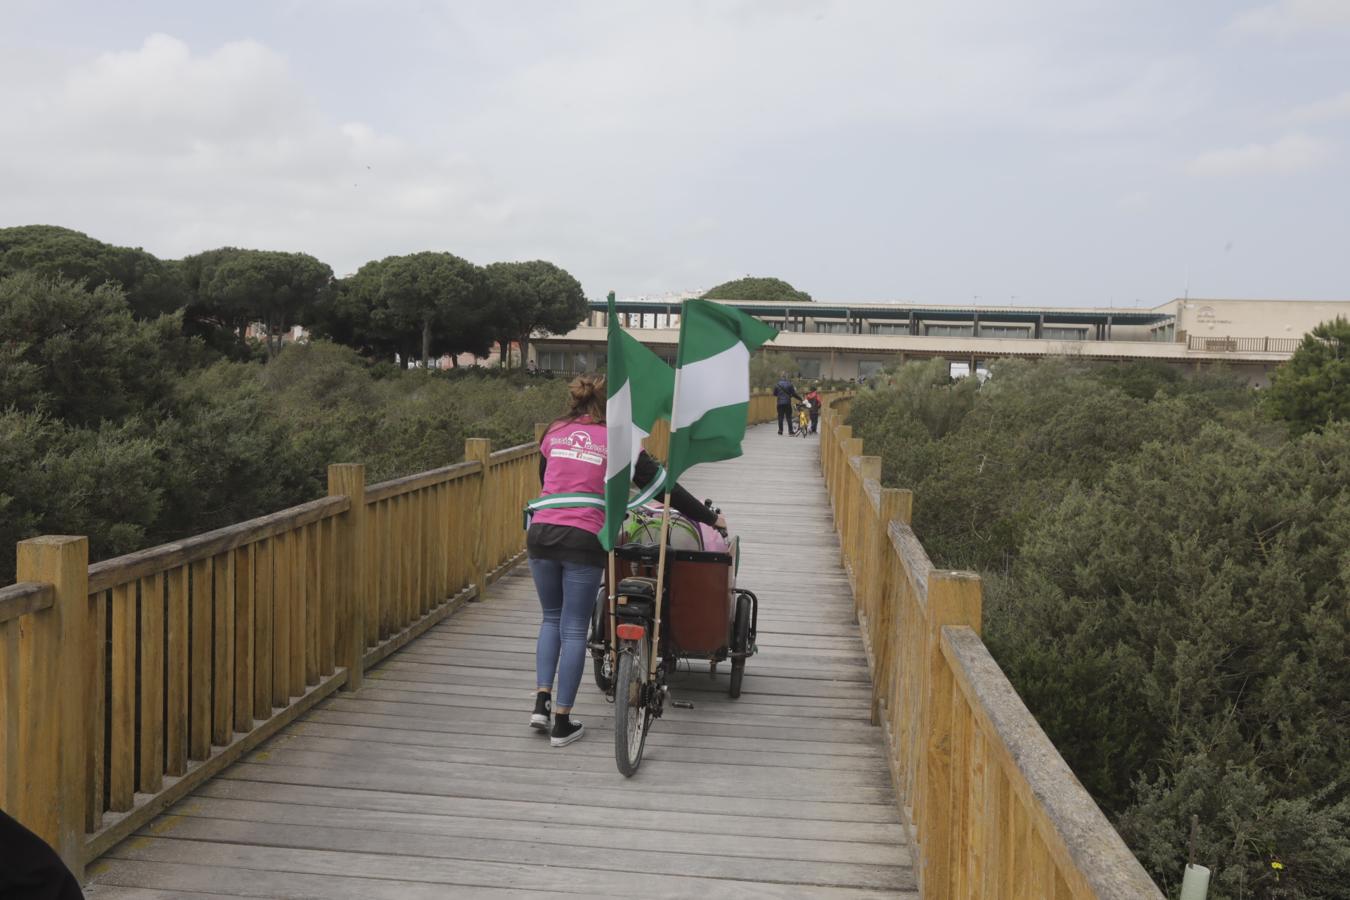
(429, 783)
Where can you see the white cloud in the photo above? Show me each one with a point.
(181, 151)
(1331, 108)
(1288, 156)
(1288, 17)
(674, 145)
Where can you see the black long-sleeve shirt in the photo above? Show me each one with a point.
(566, 543)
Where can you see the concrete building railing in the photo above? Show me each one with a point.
(1226, 344)
(991, 807)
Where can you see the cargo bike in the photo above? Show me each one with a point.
(704, 616)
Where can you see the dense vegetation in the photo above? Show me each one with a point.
(1167, 567)
(125, 430)
(758, 289)
(415, 307)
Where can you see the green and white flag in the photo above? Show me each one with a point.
(639, 387)
(712, 373)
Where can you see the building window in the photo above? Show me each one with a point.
(949, 330)
(792, 325)
(889, 328)
(549, 360)
(833, 328)
(869, 367)
(1063, 334)
(1005, 331)
(809, 368)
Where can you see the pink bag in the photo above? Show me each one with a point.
(713, 542)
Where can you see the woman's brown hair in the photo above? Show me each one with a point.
(585, 397)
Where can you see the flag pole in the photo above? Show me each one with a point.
(612, 649)
(665, 527)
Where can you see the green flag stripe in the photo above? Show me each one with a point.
(716, 435)
(708, 328)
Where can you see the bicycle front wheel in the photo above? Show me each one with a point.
(631, 717)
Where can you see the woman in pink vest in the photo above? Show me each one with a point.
(566, 559)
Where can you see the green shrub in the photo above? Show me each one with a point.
(1166, 580)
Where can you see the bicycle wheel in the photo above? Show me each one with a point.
(740, 643)
(630, 712)
(600, 665)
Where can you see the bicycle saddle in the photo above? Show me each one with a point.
(648, 553)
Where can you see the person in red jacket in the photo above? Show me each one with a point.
(813, 398)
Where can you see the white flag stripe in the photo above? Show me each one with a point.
(711, 383)
(619, 416)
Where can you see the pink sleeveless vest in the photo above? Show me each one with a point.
(577, 453)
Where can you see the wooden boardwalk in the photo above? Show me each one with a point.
(428, 782)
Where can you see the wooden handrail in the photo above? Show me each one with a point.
(1081, 841)
(25, 598)
(409, 483)
(991, 807)
(110, 573)
(520, 451)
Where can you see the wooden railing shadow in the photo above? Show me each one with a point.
(991, 807)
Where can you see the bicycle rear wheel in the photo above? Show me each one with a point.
(631, 717)
(600, 664)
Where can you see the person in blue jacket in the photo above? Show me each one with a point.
(785, 392)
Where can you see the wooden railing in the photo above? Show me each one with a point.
(125, 684)
(992, 808)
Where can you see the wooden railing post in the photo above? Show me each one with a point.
(842, 434)
(852, 488)
(881, 605)
(869, 523)
(56, 729)
(953, 599)
(349, 480)
(479, 450)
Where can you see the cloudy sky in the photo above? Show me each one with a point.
(1034, 151)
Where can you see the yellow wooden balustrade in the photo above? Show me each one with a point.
(125, 684)
(992, 808)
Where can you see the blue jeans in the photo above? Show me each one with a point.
(567, 593)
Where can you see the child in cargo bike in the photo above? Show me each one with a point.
(566, 559)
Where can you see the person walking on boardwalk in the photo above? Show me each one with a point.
(785, 393)
(813, 398)
(566, 559)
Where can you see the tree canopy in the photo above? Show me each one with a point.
(530, 297)
(1312, 389)
(417, 307)
(422, 305)
(233, 288)
(79, 355)
(152, 286)
(758, 289)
